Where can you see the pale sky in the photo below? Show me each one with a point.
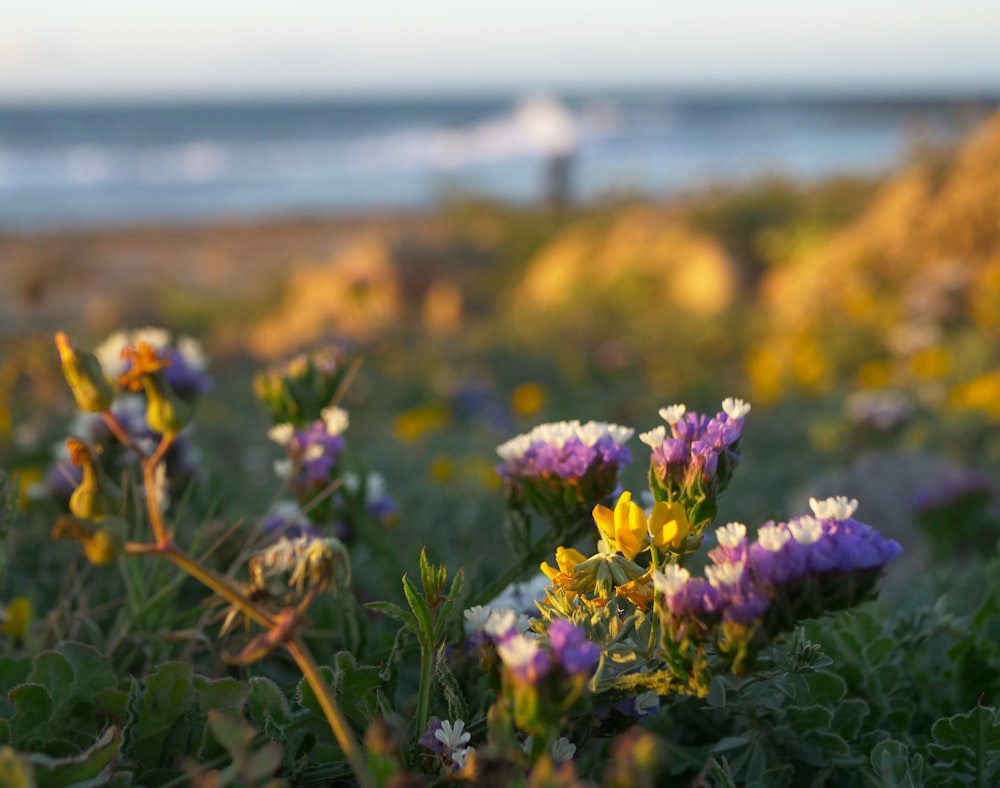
(136, 48)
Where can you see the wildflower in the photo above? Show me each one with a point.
(524, 658)
(17, 617)
(561, 750)
(838, 508)
(166, 414)
(735, 408)
(452, 736)
(186, 366)
(576, 654)
(83, 373)
(562, 469)
(96, 496)
(298, 564)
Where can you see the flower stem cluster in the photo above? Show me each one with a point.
(751, 592)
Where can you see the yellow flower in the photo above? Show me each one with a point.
(562, 574)
(625, 528)
(528, 399)
(638, 591)
(668, 525)
(16, 617)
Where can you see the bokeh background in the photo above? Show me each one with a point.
(522, 212)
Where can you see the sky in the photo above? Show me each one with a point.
(98, 49)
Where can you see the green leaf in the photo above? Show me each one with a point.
(156, 734)
(805, 719)
(825, 687)
(970, 741)
(849, 716)
(418, 605)
(226, 694)
(34, 707)
(89, 768)
(268, 707)
(12, 673)
(458, 707)
(392, 610)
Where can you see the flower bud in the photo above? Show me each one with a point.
(82, 371)
(96, 497)
(166, 413)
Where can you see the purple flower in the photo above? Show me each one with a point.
(576, 654)
(429, 737)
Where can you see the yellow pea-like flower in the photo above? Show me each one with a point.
(668, 524)
(625, 528)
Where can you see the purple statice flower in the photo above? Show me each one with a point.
(577, 655)
(565, 449)
(732, 544)
(697, 448)
(691, 602)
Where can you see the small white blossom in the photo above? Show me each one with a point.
(563, 750)
(735, 408)
(517, 650)
(725, 574)
(646, 703)
(731, 534)
(805, 530)
(514, 448)
(283, 468)
(281, 433)
(475, 618)
(673, 413)
(838, 508)
(654, 437)
(772, 537)
(314, 452)
(192, 353)
(452, 736)
(671, 580)
(460, 756)
(503, 620)
(557, 433)
(336, 420)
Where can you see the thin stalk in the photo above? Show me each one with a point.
(338, 724)
(149, 466)
(424, 692)
(219, 585)
(120, 433)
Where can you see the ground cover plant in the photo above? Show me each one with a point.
(655, 646)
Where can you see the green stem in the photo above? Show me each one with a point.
(338, 724)
(424, 692)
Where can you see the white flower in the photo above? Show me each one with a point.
(735, 408)
(725, 574)
(772, 537)
(314, 452)
(192, 353)
(281, 433)
(460, 756)
(731, 534)
(563, 750)
(654, 437)
(283, 468)
(503, 620)
(517, 650)
(673, 413)
(515, 448)
(475, 618)
(838, 508)
(805, 530)
(336, 420)
(671, 580)
(452, 735)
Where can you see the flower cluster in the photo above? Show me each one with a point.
(694, 461)
(449, 742)
(183, 359)
(796, 570)
(544, 677)
(562, 469)
(311, 453)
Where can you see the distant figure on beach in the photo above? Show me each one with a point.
(552, 131)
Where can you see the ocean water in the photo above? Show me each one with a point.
(113, 165)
